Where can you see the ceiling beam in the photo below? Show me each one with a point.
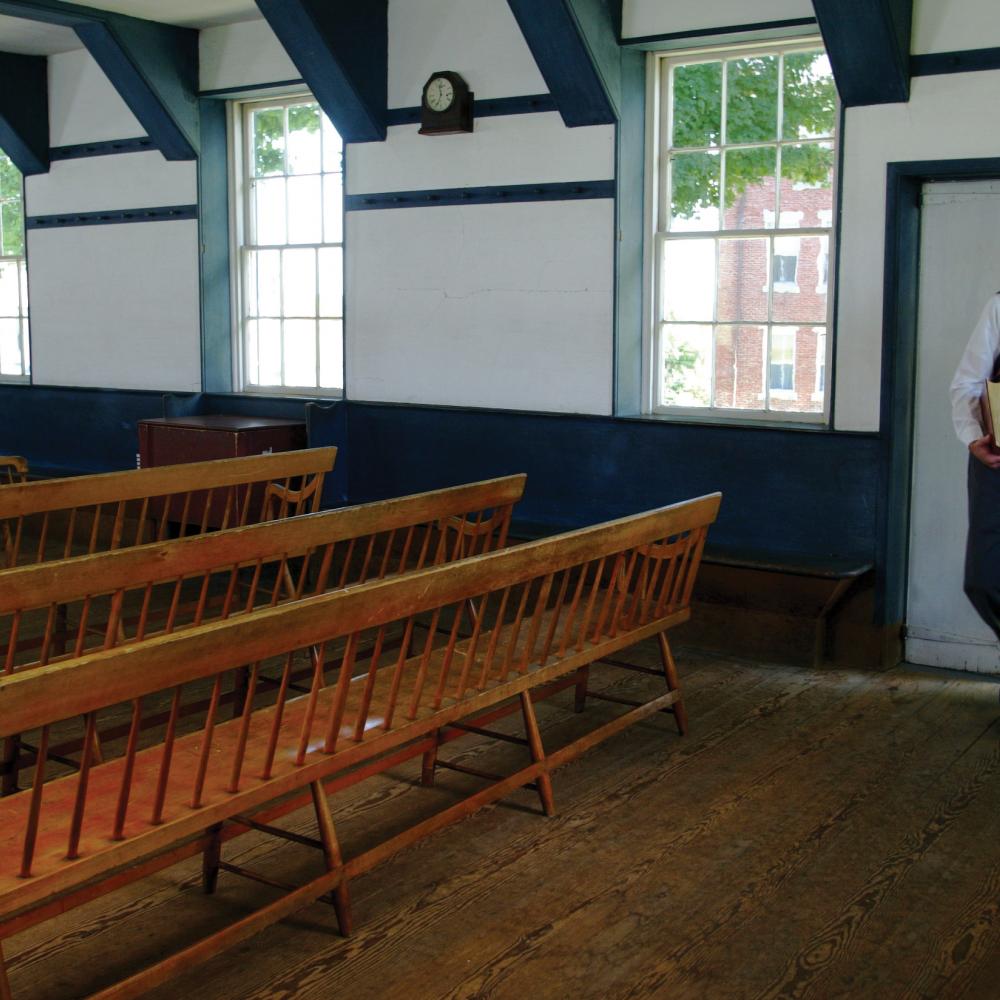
(153, 66)
(868, 42)
(341, 48)
(575, 46)
(24, 111)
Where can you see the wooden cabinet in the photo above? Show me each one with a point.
(177, 440)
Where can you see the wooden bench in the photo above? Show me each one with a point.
(131, 595)
(60, 518)
(536, 613)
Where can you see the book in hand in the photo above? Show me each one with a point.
(991, 409)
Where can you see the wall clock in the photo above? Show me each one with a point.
(446, 105)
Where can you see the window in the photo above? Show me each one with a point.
(742, 174)
(290, 234)
(15, 365)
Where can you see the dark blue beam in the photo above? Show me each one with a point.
(341, 48)
(153, 66)
(868, 42)
(574, 43)
(24, 111)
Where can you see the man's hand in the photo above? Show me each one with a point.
(983, 449)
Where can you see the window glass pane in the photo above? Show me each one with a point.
(739, 367)
(300, 352)
(752, 99)
(10, 179)
(807, 185)
(23, 271)
(810, 96)
(299, 283)
(694, 192)
(269, 212)
(268, 284)
(793, 365)
(331, 353)
(10, 347)
(781, 365)
(686, 365)
(269, 142)
(743, 277)
(304, 139)
(798, 298)
(751, 189)
(688, 280)
(331, 282)
(697, 105)
(250, 360)
(333, 208)
(305, 218)
(269, 351)
(12, 222)
(333, 147)
(10, 298)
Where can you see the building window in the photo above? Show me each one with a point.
(15, 363)
(742, 172)
(290, 232)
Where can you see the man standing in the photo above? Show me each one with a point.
(982, 553)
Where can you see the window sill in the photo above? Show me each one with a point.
(810, 422)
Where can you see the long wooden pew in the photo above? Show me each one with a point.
(536, 613)
(131, 595)
(60, 518)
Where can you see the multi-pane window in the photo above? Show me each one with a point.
(744, 181)
(15, 365)
(291, 248)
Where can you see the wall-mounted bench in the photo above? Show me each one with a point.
(131, 595)
(533, 614)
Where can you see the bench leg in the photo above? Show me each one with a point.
(210, 860)
(429, 765)
(673, 683)
(5, 993)
(537, 753)
(334, 860)
(580, 694)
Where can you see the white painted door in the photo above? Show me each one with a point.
(959, 271)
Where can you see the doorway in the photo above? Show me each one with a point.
(959, 271)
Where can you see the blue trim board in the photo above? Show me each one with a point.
(868, 42)
(904, 183)
(113, 217)
(251, 88)
(732, 29)
(492, 195)
(488, 108)
(109, 147)
(341, 48)
(969, 61)
(565, 59)
(24, 111)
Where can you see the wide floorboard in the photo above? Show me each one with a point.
(819, 834)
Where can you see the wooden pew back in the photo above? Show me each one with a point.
(498, 622)
(61, 518)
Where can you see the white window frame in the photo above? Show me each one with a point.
(23, 317)
(240, 180)
(658, 113)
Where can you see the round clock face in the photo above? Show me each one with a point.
(440, 94)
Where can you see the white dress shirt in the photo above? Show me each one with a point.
(975, 367)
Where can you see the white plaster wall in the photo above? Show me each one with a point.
(478, 39)
(954, 25)
(944, 120)
(116, 306)
(241, 55)
(504, 306)
(660, 17)
(97, 183)
(83, 105)
(509, 149)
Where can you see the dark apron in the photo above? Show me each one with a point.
(982, 551)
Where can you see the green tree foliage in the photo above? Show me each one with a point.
(810, 103)
(11, 214)
(269, 135)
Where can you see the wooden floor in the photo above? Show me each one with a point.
(819, 834)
